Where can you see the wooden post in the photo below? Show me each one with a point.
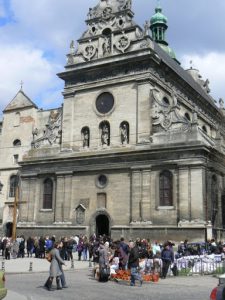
(15, 213)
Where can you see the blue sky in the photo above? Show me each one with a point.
(35, 37)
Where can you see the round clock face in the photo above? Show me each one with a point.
(104, 103)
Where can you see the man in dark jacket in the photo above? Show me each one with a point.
(133, 263)
(167, 257)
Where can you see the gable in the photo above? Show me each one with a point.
(20, 101)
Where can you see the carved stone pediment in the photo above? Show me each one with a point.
(111, 30)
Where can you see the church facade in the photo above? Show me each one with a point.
(137, 149)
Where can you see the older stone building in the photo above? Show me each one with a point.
(137, 149)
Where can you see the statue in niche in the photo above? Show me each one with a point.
(105, 135)
(106, 46)
(86, 138)
(124, 134)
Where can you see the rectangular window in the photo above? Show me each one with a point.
(101, 200)
(15, 159)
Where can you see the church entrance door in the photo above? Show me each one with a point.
(102, 225)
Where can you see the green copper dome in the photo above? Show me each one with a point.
(168, 50)
(158, 17)
(159, 27)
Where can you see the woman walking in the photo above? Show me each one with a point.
(55, 268)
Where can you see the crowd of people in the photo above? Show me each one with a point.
(140, 256)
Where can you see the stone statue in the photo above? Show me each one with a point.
(124, 134)
(72, 47)
(105, 135)
(86, 138)
(106, 46)
(221, 102)
(146, 28)
(34, 133)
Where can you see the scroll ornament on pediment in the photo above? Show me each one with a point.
(167, 114)
(51, 135)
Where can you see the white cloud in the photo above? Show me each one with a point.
(210, 66)
(19, 62)
(52, 23)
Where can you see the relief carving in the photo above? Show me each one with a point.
(80, 214)
(167, 114)
(51, 133)
(123, 43)
(89, 51)
(107, 13)
(125, 4)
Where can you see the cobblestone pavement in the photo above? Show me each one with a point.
(83, 286)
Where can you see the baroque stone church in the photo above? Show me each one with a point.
(137, 149)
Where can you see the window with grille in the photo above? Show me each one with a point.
(166, 188)
(13, 185)
(48, 194)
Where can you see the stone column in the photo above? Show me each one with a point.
(184, 196)
(24, 197)
(197, 201)
(136, 196)
(67, 197)
(32, 199)
(143, 111)
(145, 203)
(67, 127)
(59, 198)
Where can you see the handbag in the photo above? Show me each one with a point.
(48, 256)
(104, 274)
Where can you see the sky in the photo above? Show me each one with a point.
(35, 37)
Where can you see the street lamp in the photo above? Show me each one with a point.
(1, 186)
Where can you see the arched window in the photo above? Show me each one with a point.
(187, 116)
(166, 188)
(105, 133)
(85, 135)
(13, 183)
(166, 101)
(204, 128)
(17, 143)
(107, 43)
(214, 198)
(124, 133)
(47, 194)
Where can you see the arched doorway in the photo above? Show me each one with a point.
(8, 229)
(102, 225)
